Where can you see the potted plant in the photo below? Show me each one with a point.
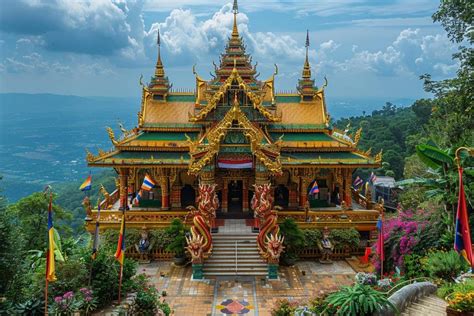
(294, 240)
(177, 233)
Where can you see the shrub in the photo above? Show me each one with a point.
(345, 237)
(413, 266)
(177, 233)
(160, 238)
(445, 265)
(294, 238)
(357, 300)
(311, 238)
(284, 308)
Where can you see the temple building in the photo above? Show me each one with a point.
(235, 131)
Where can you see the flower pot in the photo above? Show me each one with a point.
(179, 261)
(453, 312)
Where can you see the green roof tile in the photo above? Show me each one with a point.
(181, 98)
(292, 137)
(176, 136)
(287, 98)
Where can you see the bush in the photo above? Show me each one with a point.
(160, 238)
(294, 238)
(177, 233)
(311, 238)
(445, 265)
(345, 237)
(357, 300)
(366, 278)
(284, 308)
(413, 266)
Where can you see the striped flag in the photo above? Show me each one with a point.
(372, 178)
(148, 183)
(243, 163)
(137, 198)
(87, 184)
(314, 188)
(50, 267)
(462, 237)
(95, 245)
(358, 181)
(120, 253)
(380, 241)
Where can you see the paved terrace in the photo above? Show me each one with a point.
(252, 296)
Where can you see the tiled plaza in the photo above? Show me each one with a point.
(229, 295)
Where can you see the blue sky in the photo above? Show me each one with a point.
(367, 49)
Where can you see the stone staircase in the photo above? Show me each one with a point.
(235, 252)
(429, 305)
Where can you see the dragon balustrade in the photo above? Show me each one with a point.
(269, 243)
(199, 244)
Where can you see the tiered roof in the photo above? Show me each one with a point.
(234, 114)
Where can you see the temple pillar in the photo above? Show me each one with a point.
(245, 195)
(175, 196)
(292, 196)
(347, 188)
(123, 191)
(304, 182)
(225, 185)
(165, 195)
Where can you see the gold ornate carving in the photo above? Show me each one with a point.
(357, 136)
(378, 157)
(110, 131)
(89, 156)
(206, 152)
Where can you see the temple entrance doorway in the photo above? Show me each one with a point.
(235, 196)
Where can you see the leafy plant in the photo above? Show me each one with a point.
(284, 308)
(177, 233)
(294, 238)
(413, 266)
(160, 238)
(445, 265)
(345, 237)
(311, 238)
(33, 307)
(356, 300)
(366, 278)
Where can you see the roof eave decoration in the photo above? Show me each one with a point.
(202, 154)
(91, 158)
(257, 100)
(145, 97)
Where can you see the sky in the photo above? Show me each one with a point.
(365, 48)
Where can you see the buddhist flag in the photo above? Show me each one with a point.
(462, 237)
(137, 198)
(148, 183)
(380, 241)
(372, 178)
(120, 253)
(95, 245)
(314, 188)
(50, 267)
(358, 181)
(87, 184)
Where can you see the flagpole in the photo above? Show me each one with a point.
(121, 263)
(382, 245)
(50, 209)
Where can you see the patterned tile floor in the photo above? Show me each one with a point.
(252, 296)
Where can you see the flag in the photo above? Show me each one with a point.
(137, 198)
(365, 259)
(314, 188)
(120, 253)
(380, 241)
(87, 184)
(462, 237)
(358, 181)
(50, 268)
(372, 178)
(148, 183)
(95, 245)
(240, 163)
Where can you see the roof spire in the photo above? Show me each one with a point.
(307, 68)
(159, 70)
(235, 9)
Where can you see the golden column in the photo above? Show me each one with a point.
(123, 191)
(165, 193)
(347, 187)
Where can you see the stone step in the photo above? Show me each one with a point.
(239, 259)
(231, 270)
(240, 273)
(428, 307)
(231, 254)
(232, 249)
(240, 266)
(434, 300)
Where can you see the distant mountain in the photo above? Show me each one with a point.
(43, 136)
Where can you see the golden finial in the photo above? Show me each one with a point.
(357, 136)
(235, 9)
(110, 131)
(159, 69)
(378, 157)
(307, 68)
(89, 156)
(368, 152)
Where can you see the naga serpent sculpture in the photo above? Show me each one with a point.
(200, 242)
(269, 243)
